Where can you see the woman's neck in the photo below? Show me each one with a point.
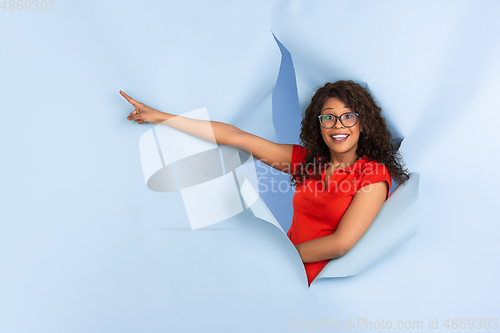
(343, 160)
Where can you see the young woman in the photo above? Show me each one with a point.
(342, 171)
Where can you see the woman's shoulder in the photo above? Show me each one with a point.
(371, 167)
(299, 148)
(299, 153)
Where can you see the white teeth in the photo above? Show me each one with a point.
(340, 136)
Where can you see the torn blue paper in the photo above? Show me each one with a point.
(215, 189)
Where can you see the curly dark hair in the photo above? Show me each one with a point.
(375, 141)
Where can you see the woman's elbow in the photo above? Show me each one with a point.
(342, 249)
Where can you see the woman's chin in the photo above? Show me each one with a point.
(342, 148)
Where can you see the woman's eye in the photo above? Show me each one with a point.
(348, 116)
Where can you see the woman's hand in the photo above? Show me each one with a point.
(143, 113)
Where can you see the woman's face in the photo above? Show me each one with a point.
(340, 139)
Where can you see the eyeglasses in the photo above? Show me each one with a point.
(348, 119)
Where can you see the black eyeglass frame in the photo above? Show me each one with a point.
(339, 118)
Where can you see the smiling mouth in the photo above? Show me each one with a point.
(339, 137)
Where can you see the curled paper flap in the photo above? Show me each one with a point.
(395, 224)
(252, 199)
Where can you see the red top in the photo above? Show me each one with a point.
(317, 213)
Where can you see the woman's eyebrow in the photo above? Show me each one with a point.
(327, 109)
(345, 107)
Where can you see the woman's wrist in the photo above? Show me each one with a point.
(164, 116)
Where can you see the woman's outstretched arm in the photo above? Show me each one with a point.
(357, 219)
(273, 154)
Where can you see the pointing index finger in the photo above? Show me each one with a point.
(128, 98)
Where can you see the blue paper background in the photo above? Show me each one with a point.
(84, 245)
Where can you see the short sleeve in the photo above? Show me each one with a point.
(373, 173)
(298, 155)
